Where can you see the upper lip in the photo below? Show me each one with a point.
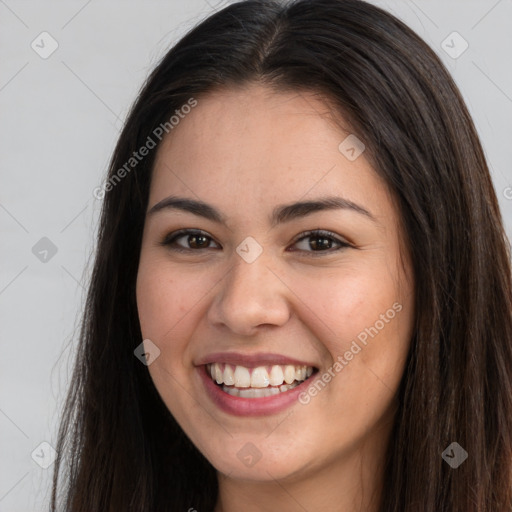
(251, 360)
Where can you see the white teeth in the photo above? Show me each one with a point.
(259, 377)
(242, 377)
(218, 374)
(251, 393)
(258, 393)
(276, 375)
(289, 374)
(229, 376)
(231, 391)
(272, 380)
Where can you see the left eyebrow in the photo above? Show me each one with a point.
(280, 214)
(286, 213)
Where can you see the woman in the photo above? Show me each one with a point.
(302, 292)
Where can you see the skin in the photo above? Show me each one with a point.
(246, 151)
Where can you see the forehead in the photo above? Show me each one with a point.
(253, 146)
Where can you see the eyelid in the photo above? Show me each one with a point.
(172, 237)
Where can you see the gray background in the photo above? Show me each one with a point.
(60, 118)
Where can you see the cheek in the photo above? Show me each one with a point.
(170, 303)
(164, 311)
(365, 326)
(161, 302)
(152, 300)
(360, 316)
(345, 303)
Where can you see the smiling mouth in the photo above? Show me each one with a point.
(258, 382)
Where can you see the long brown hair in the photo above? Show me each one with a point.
(120, 448)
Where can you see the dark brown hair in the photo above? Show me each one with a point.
(120, 448)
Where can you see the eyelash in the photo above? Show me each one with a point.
(171, 239)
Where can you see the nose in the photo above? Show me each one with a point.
(251, 295)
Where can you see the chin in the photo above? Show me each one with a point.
(256, 458)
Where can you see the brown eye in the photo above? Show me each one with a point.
(193, 240)
(321, 242)
(197, 241)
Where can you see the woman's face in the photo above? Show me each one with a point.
(262, 303)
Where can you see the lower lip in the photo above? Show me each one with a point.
(239, 406)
